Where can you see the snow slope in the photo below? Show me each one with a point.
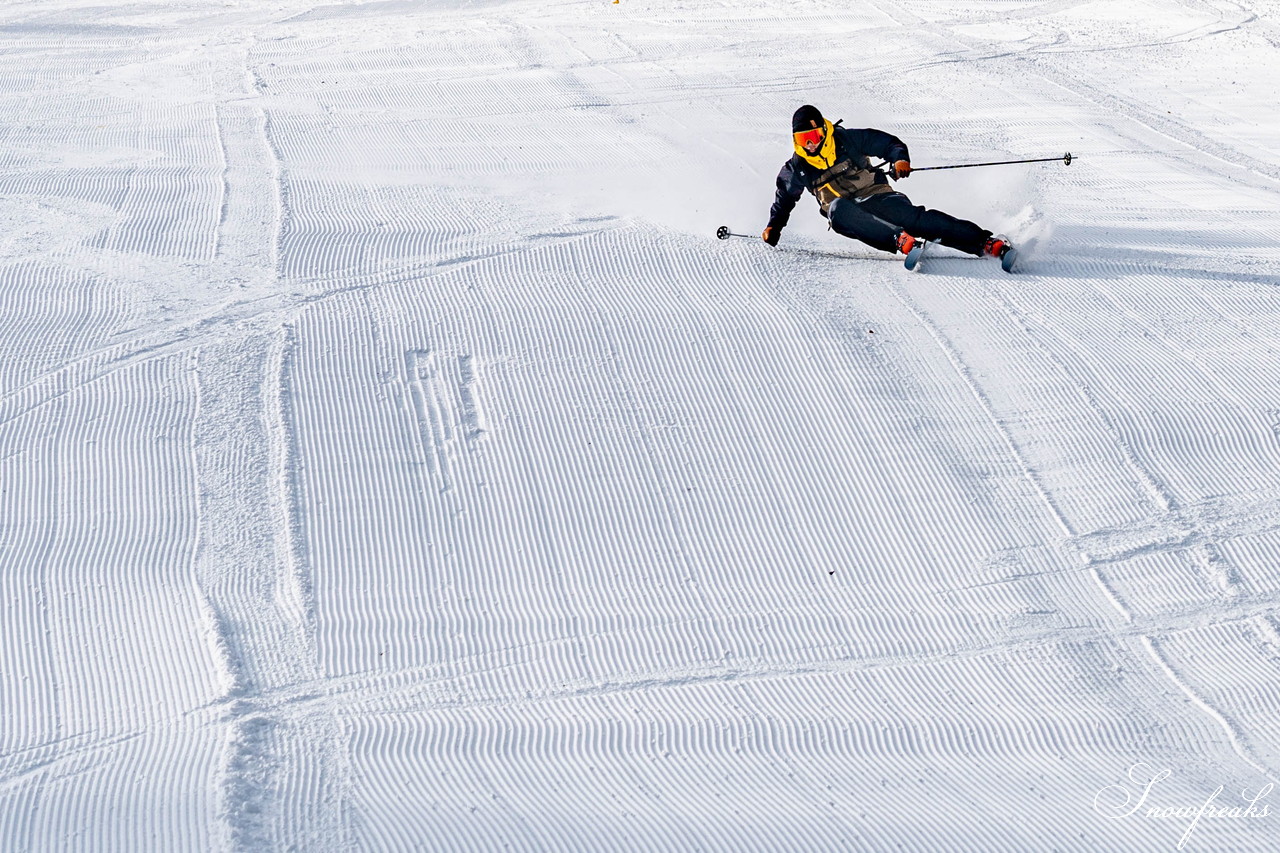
(390, 457)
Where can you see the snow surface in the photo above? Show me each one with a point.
(392, 459)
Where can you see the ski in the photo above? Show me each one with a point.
(912, 260)
(1008, 259)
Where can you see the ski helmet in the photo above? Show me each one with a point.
(806, 118)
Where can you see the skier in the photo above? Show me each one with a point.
(833, 163)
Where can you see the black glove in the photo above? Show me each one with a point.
(771, 235)
(899, 169)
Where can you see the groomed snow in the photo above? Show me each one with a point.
(392, 459)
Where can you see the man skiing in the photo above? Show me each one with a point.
(833, 163)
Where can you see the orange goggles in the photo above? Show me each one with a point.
(806, 138)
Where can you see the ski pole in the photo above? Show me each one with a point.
(1065, 159)
(724, 233)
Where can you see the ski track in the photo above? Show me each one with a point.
(376, 475)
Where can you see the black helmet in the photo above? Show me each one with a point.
(807, 118)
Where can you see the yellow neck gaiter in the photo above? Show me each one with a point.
(825, 158)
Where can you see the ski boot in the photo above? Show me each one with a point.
(913, 248)
(998, 246)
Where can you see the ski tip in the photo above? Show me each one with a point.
(912, 260)
(1009, 260)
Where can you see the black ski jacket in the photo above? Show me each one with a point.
(857, 145)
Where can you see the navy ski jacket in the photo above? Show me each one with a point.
(858, 145)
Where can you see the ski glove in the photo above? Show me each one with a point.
(900, 169)
(771, 235)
